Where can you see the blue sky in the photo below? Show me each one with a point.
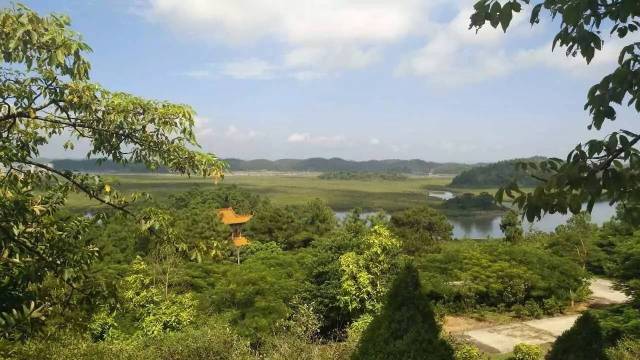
(358, 79)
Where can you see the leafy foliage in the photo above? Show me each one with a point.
(470, 202)
(468, 275)
(420, 228)
(258, 293)
(511, 227)
(45, 92)
(527, 352)
(211, 339)
(625, 349)
(468, 352)
(292, 226)
(155, 308)
(366, 275)
(600, 168)
(577, 240)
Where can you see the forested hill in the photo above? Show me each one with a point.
(494, 175)
(313, 164)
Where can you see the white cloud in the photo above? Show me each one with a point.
(298, 137)
(454, 55)
(374, 141)
(233, 133)
(291, 21)
(603, 60)
(317, 36)
(331, 58)
(202, 127)
(248, 69)
(307, 138)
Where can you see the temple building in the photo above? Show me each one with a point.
(229, 217)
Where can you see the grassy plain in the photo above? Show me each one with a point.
(284, 189)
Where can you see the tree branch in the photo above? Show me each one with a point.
(78, 185)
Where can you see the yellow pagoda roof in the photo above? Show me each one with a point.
(229, 217)
(239, 241)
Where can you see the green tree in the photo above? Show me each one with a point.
(155, 309)
(45, 92)
(366, 275)
(406, 327)
(420, 227)
(511, 227)
(600, 168)
(584, 341)
(577, 240)
(292, 226)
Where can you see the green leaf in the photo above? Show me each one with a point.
(535, 14)
(505, 16)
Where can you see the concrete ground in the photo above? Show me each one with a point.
(502, 338)
(602, 292)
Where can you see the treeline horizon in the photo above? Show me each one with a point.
(316, 164)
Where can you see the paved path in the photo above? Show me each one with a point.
(502, 338)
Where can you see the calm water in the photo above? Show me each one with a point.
(483, 227)
(443, 195)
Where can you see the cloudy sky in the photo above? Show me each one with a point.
(358, 79)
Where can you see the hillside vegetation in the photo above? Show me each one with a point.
(495, 175)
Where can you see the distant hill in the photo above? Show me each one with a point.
(313, 164)
(495, 175)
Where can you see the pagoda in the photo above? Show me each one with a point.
(229, 217)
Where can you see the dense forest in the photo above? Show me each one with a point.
(495, 175)
(315, 165)
(307, 283)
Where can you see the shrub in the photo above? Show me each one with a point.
(466, 275)
(527, 352)
(420, 228)
(626, 349)
(258, 293)
(533, 310)
(358, 327)
(519, 311)
(469, 352)
(101, 325)
(211, 340)
(552, 306)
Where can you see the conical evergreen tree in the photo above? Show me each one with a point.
(406, 327)
(584, 341)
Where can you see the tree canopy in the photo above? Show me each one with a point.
(606, 168)
(46, 93)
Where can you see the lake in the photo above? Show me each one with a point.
(479, 227)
